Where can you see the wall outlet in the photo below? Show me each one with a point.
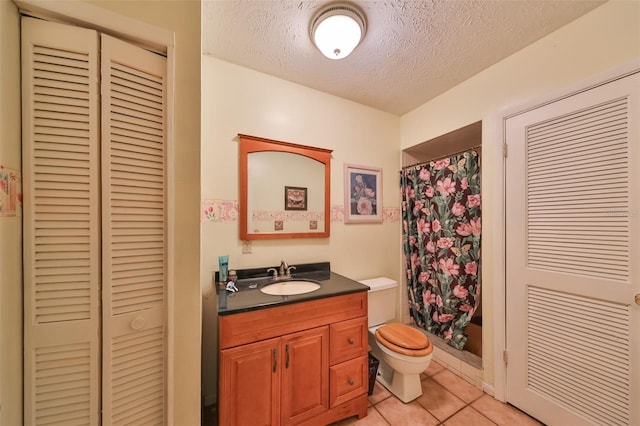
(246, 247)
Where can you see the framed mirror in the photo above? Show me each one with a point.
(284, 190)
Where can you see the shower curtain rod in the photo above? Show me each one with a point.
(443, 157)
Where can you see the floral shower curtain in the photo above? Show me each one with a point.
(441, 239)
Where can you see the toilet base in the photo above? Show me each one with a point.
(406, 387)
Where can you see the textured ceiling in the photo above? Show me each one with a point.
(412, 51)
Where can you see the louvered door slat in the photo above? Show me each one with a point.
(138, 139)
(61, 186)
(134, 238)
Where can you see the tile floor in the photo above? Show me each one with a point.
(447, 400)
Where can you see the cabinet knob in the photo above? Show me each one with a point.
(351, 382)
(637, 299)
(351, 341)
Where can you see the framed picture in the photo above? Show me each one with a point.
(295, 198)
(362, 194)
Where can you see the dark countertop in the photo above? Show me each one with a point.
(249, 299)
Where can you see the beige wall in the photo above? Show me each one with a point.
(10, 227)
(238, 100)
(183, 18)
(607, 37)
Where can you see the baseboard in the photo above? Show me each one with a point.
(488, 389)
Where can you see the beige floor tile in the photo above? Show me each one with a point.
(502, 414)
(379, 393)
(373, 419)
(396, 413)
(433, 368)
(467, 417)
(438, 401)
(458, 386)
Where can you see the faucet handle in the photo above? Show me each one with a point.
(289, 270)
(275, 272)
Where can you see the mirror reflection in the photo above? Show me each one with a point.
(284, 190)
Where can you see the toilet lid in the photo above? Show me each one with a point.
(404, 340)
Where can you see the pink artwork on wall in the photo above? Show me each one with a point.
(10, 192)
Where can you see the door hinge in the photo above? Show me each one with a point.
(505, 150)
(505, 357)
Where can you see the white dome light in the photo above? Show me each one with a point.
(337, 29)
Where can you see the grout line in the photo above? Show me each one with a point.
(383, 417)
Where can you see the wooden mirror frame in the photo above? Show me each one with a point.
(249, 144)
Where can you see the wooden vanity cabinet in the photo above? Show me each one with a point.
(304, 363)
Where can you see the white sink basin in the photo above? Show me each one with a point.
(289, 288)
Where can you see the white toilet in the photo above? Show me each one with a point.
(403, 351)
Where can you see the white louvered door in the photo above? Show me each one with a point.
(573, 244)
(94, 164)
(134, 245)
(61, 224)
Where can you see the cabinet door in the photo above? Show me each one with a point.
(305, 387)
(250, 384)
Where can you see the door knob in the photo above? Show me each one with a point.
(638, 299)
(138, 323)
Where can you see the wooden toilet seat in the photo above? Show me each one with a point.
(404, 340)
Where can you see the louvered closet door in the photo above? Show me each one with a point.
(61, 224)
(573, 244)
(134, 234)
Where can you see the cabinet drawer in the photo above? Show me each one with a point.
(348, 339)
(253, 326)
(347, 380)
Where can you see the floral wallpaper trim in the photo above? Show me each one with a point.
(219, 211)
(10, 192)
(391, 214)
(227, 211)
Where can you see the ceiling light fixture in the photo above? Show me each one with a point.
(337, 29)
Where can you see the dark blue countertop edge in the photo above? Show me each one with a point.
(251, 299)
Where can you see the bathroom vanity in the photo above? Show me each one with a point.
(299, 359)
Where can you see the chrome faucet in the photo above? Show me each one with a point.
(285, 270)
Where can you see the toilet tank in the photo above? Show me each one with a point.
(381, 300)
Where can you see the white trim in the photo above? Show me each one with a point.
(94, 17)
(171, 73)
(496, 131)
(488, 389)
(491, 129)
(159, 40)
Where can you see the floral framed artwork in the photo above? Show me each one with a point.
(362, 194)
(295, 198)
